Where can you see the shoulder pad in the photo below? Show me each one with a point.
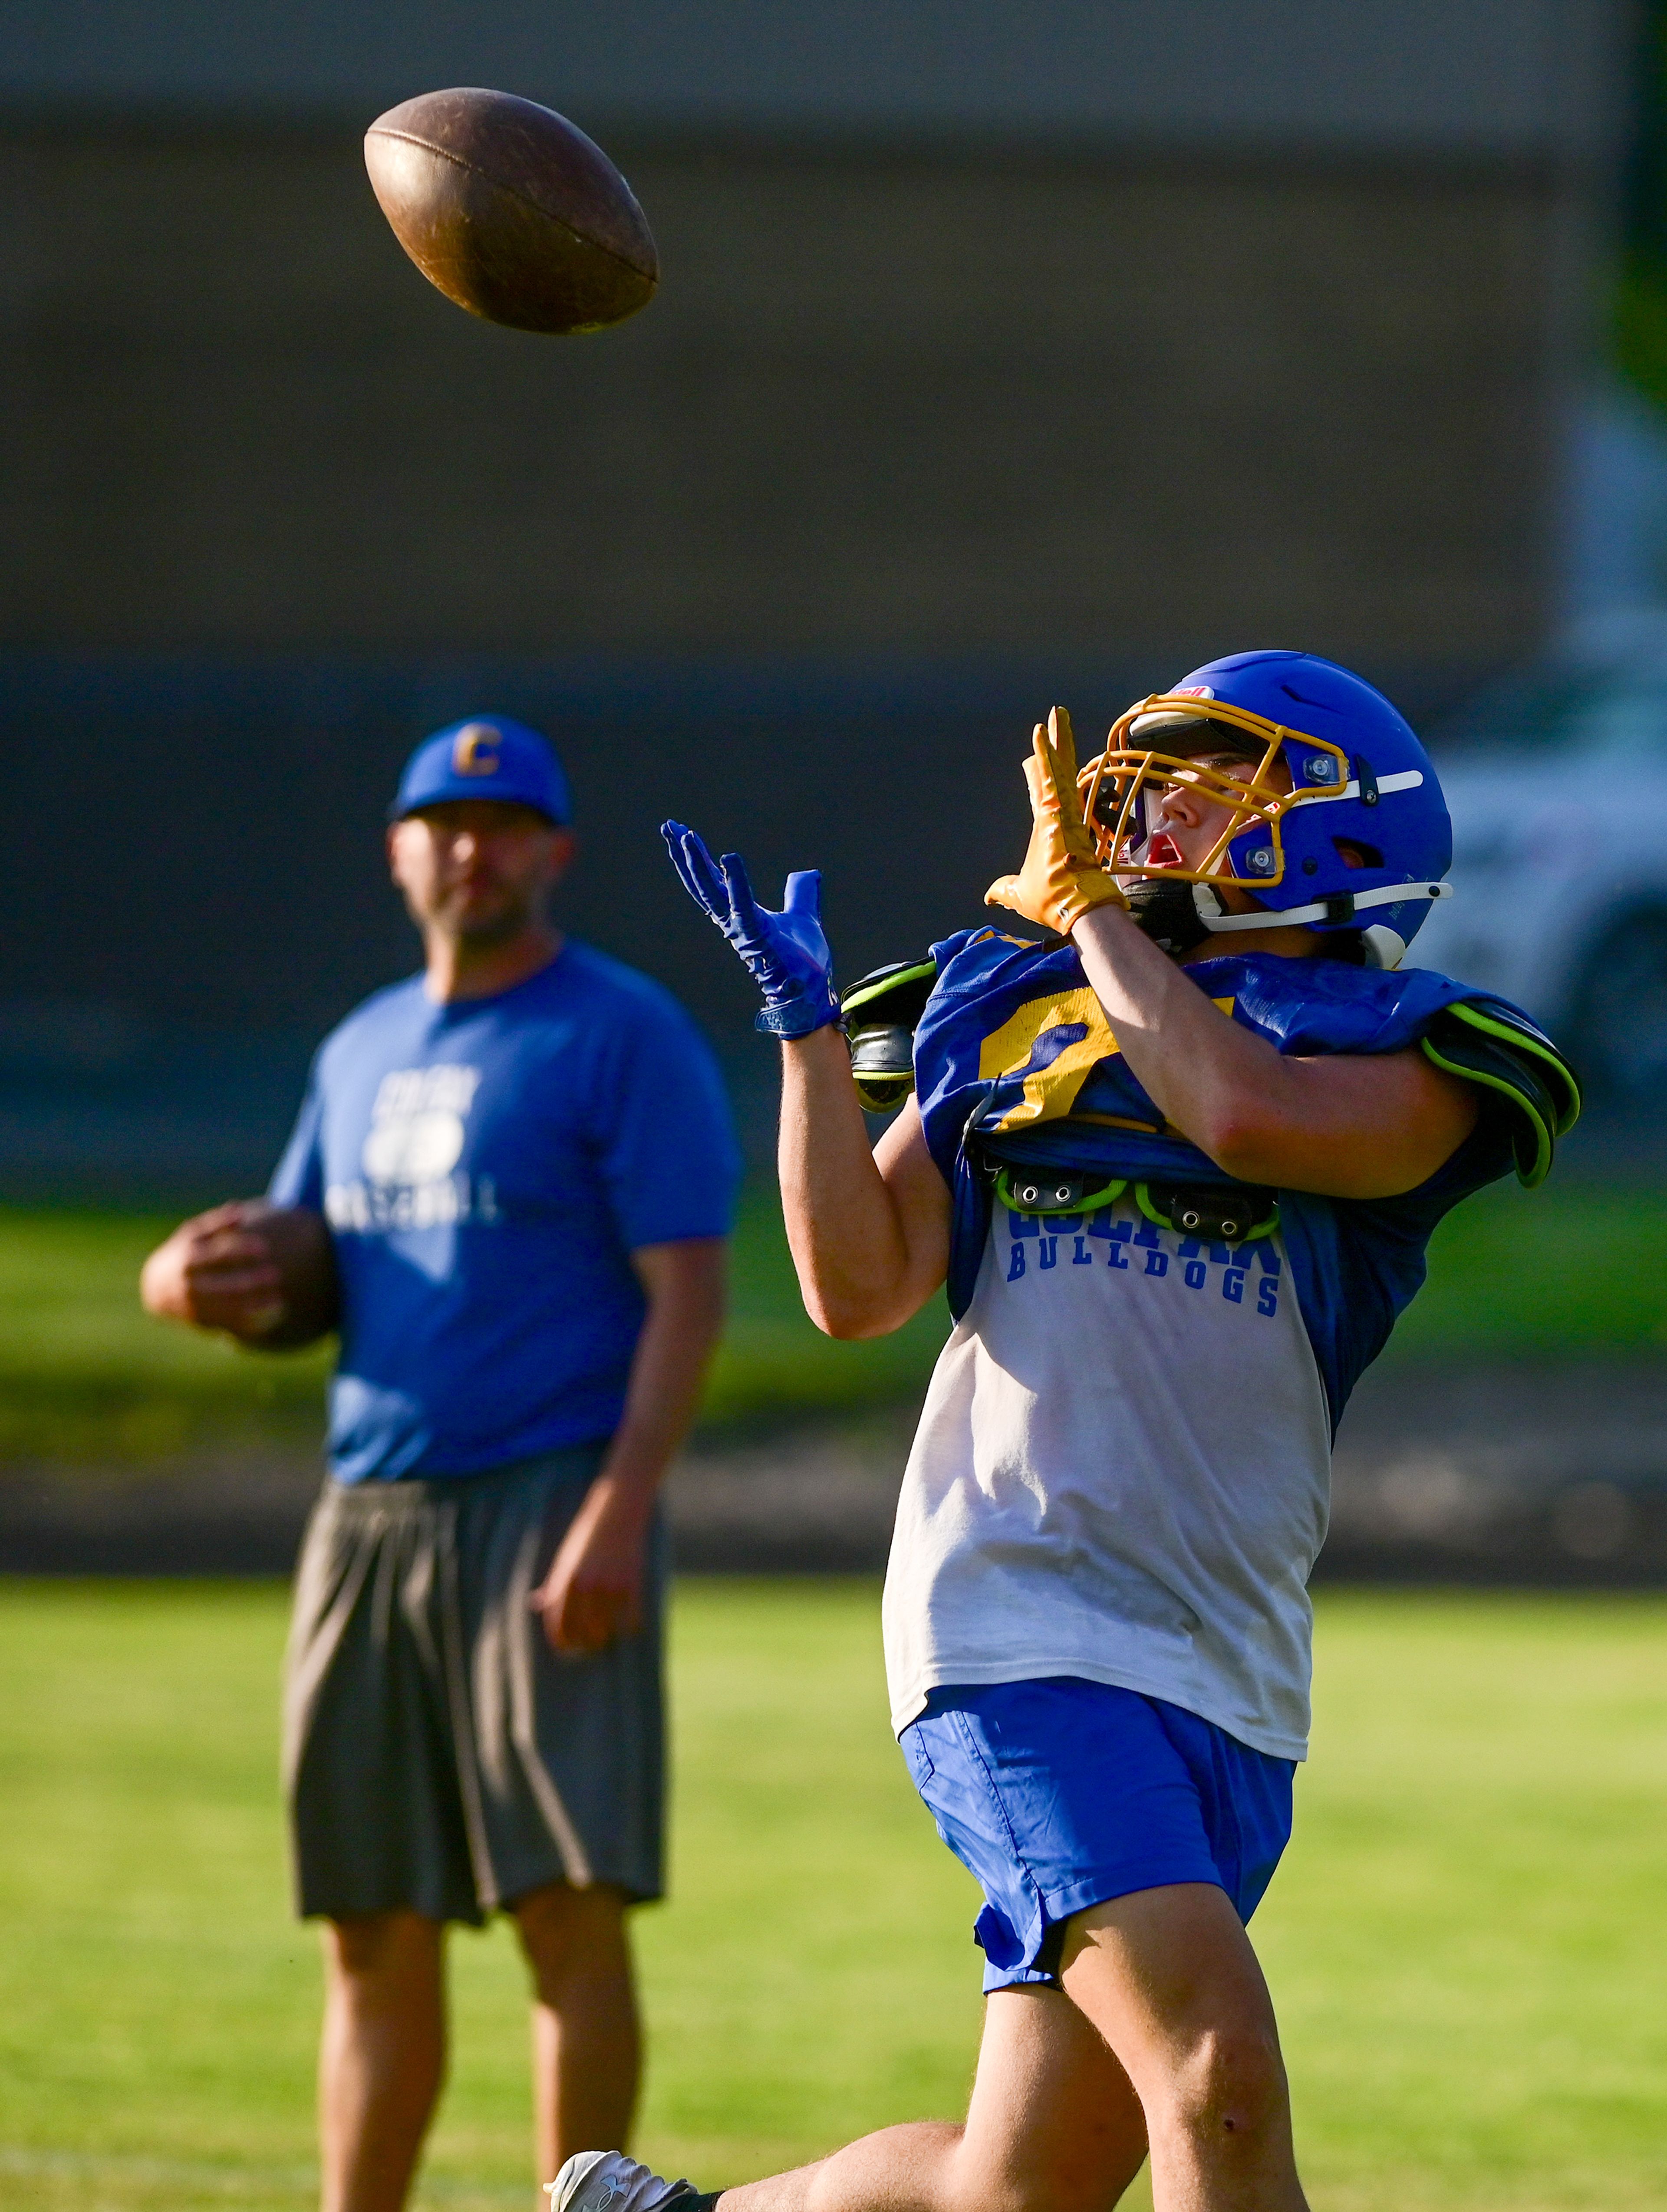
(880, 1011)
(1487, 1042)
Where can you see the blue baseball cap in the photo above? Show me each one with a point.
(485, 757)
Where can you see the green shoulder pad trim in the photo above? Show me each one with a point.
(890, 998)
(882, 1090)
(1518, 1034)
(1525, 1071)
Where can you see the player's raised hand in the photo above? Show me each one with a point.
(784, 951)
(1061, 877)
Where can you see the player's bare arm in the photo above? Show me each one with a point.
(868, 1230)
(593, 1591)
(1347, 1126)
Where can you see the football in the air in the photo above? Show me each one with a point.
(512, 211)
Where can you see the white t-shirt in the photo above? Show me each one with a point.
(1123, 1472)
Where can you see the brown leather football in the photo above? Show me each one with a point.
(300, 1249)
(512, 211)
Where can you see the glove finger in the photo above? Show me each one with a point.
(1042, 769)
(804, 893)
(1063, 744)
(1064, 747)
(744, 908)
(677, 840)
(1004, 891)
(706, 885)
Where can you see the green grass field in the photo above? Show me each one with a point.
(1468, 1942)
(84, 1375)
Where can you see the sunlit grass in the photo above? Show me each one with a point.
(1466, 1942)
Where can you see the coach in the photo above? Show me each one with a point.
(525, 1167)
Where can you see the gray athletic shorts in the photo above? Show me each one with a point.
(438, 1755)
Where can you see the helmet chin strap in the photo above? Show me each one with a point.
(1340, 909)
(1382, 947)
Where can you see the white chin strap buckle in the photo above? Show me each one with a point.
(1384, 947)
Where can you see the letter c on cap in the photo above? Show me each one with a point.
(475, 751)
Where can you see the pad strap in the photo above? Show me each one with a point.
(1230, 1213)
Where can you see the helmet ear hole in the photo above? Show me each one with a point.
(1355, 852)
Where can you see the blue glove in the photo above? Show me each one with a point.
(786, 954)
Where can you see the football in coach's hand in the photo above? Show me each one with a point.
(512, 211)
(299, 1246)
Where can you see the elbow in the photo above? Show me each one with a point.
(847, 1321)
(844, 1324)
(1237, 1142)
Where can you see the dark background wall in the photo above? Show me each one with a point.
(955, 430)
(953, 402)
(1498, 74)
(995, 360)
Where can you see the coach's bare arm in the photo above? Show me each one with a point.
(593, 1591)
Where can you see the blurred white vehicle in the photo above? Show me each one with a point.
(1557, 780)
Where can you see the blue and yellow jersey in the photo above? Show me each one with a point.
(1017, 1068)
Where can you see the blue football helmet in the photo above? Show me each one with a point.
(1362, 840)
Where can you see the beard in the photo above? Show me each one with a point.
(497, 921)
(506, 920)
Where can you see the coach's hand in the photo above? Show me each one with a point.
(217, 1270)
(1061, 879)
(785, 952)
(593, 1591)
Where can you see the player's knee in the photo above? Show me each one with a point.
(1032, 2188)
(967, 2180)
(1028, 2181)
(1229, 2083)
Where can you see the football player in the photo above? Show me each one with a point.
(1178, 1161)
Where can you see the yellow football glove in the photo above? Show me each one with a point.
(1060, 878)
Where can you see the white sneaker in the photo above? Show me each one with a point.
(608, 2181)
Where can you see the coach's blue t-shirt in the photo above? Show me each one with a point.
(486, 1169)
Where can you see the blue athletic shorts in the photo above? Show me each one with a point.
(1062, 1794)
